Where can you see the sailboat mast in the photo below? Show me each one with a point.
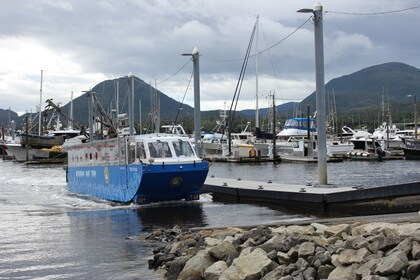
(70, 124)
(40, 108)
(256, 78)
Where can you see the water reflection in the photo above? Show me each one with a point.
(113, 239)
(134, 220)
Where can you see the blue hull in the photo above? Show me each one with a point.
(140, 183)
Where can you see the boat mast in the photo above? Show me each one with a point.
(256, 78)
(131, 105)
(70, 124)
(40, 108)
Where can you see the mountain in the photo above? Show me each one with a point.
(361, 93)
(7, 116)
(145, 94)
(357, 97)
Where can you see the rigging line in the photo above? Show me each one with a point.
(271, 59)
(263, 51)
(282, 40)
(240, 80)
(183, 98)
(373, 14)
(161, 82)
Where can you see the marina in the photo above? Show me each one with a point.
(139, 167)
(65, 235)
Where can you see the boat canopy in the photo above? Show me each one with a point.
(300, 123)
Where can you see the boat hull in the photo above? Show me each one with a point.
(140, 183)
(41, 141)
(411, 149)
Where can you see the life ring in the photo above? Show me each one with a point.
(252, 152)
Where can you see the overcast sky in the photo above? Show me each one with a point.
(80, 43)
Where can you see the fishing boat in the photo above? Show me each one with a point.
(140, 168)
(411, 148)
(367, 148)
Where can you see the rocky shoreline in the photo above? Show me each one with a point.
(353, 250)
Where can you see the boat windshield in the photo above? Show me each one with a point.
(183, 148)
(299, 123)
(159, 149)
(167, 149)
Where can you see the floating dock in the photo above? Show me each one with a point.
(327, 200)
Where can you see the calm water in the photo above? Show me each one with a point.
(347, 173)
(48, 233)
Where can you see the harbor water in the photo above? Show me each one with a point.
(48, 233)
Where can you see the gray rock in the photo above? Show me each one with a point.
(306, 249)
(404, 246)
(302, 264)
(212, 241)
(274, 274)
(195, 267)
(321, 241)
(324, 258)
(222, 251)
(283, 258)
(214, 271)
(324, 271)
(372, 228)
(415, 250)
(381, 242)
(293, 253)
(367, 268)
(288, 243)
(256, 233)
(272, 255)
(319, 228)
(337, 230)
(249, 266)
(374, 277)
(349, 256)
(413, 270)
(274, 243)
(176, 267)
(393, 263)
(305, 230)
(344, 272)
(297, 275)
(356, 242)
(288, 270)
(309, 273)
(316, 263)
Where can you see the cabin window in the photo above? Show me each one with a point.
(159, 149)
(141, 153)
(183, 148)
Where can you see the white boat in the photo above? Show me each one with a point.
(366, 148)
(388, 137)
(302, 150)
(174, 129)
(338, 148)
(21, 154)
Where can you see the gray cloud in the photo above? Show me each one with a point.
(80, 43)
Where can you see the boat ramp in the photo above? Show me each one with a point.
(328, 200)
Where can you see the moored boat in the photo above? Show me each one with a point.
(411, 148)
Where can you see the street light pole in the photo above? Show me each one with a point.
(320, 92)
(197, 111)
(415, 117)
